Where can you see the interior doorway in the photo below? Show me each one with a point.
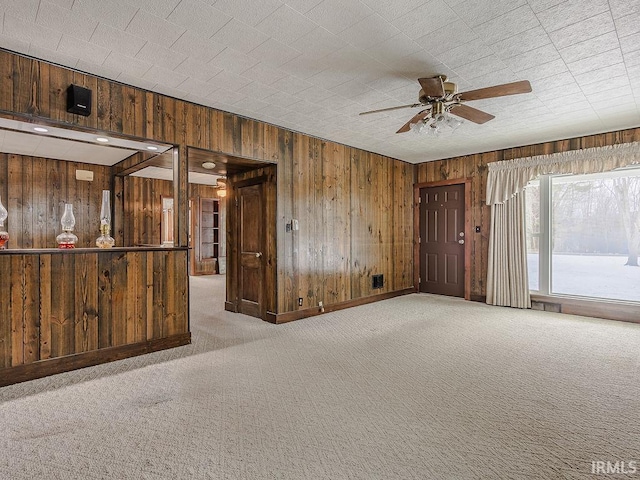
(247, 193)
(442, 246)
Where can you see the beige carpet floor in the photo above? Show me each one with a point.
(417, 387)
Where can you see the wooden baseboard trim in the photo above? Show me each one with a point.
(478, 298)
(230, 307)
(44, 368)
(312, 312)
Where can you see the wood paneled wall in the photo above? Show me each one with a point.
(37, 88)
(143, 209)
(348, 229)
(34, 192)
(66, 303)
(475, 166)
(354, 210)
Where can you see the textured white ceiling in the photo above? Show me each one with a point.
(313, 65)
(21, 143)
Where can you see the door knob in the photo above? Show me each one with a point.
(258, 254)
(461, 242)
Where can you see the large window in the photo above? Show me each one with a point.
(583, 235)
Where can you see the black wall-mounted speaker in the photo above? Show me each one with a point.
(79, 100)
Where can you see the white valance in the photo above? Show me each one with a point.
(508, 177)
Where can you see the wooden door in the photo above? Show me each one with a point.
(251, 228)
(442, 238)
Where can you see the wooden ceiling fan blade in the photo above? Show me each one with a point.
(389, 109)
(415, 119)
(432, 87)
(497, 91)
(472, 114)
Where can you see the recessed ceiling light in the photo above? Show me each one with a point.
(40, 129)
(208, 165)
(102, 140)
(151, 147)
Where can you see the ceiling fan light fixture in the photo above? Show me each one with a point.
(433, 131)
(440, 99)
(435, 126)
(453, 122)
(419, 127)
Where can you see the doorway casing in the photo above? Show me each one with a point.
(467, 229)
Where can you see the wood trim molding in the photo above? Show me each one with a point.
(416, 237)
(231, 307)
(44, 368)
(250, 181)
(467, 182)
(467, 239)
(82, 250)
(312, 312)
(443, 183)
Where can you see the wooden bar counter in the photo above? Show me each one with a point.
(69, 309)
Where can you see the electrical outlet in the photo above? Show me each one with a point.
(320, 304)
(300, 301)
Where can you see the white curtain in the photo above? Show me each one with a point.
(507, 277)
(508, 177)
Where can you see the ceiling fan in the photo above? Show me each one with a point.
(441, 99)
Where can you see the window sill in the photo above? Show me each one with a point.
(599, 308)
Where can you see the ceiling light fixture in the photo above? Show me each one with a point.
(208, 165)
(41, 129)
(221, 185)
(151, 147)
(441, 99)
(102, 140)
(439, 121)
